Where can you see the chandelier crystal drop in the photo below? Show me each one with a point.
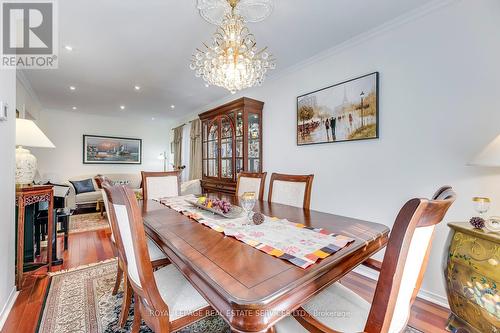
(232, 60)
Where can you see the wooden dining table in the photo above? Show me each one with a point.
(251, 289)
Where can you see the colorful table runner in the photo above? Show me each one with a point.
(294, 242)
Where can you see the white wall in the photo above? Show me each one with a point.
(65, 129)
(7, 193)
(439, 87)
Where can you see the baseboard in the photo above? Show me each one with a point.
(8, 306)
(423, 294)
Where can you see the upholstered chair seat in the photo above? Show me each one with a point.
(251, 182)
(178, 293)
(248, 184)
(291, 190)
(336, 307)
(157, 185)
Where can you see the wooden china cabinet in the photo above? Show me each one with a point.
(232, 142)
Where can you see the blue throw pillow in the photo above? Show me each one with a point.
(83, 186)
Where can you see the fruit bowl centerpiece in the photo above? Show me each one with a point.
(217, 206)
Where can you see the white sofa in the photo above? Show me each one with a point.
(132, 179)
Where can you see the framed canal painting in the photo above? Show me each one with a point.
(346, 111)
(111, 150)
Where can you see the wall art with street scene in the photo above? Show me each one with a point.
(346, 111)
(111, 150)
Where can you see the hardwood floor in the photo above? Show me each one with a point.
(94, 246)
(83, 249)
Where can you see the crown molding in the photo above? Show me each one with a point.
(386, 27)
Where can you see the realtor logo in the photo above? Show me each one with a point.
(29, 38)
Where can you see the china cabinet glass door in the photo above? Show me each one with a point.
(239, 142)
(254, 140)
(226, 146)
(212, 150)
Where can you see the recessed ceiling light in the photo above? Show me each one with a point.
(137, 87)
(72, 88)
(153, 118)
(74, 107)
(207, 85)
(172, 106)
(122, 107)
(69, 48)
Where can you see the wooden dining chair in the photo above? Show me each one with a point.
(251, 182)
(338, 309)
(156, 185)
(292, 190)
(164, 299)
(158, 259)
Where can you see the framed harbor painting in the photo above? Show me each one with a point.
(346, 111)
(111, 150)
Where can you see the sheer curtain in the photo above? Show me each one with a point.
(178, 147)
(195, 150)
(186, 130)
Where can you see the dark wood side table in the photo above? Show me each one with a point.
(26, 196)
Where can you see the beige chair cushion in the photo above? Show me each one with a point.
(248, 184)
(337, 307)
(180, 296)
(289, 193)
(127, 240)
(162, 187)
(154, 251)
(414, 260)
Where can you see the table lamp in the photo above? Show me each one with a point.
(28, 134)
(490, 155)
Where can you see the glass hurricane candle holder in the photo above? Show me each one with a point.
(481, 205)
(247, 201)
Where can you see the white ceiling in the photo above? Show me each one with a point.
(120, 43)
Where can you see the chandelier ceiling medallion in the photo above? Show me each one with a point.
(232, 60)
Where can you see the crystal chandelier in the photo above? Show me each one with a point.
(232, 60)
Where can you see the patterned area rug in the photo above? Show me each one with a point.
(80, 300)
(87, 222)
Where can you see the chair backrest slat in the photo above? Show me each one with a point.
(405, 261)
(251, 182)
(293, 190)
(156, 185)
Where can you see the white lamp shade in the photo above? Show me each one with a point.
(490, 155)
(30, 135)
